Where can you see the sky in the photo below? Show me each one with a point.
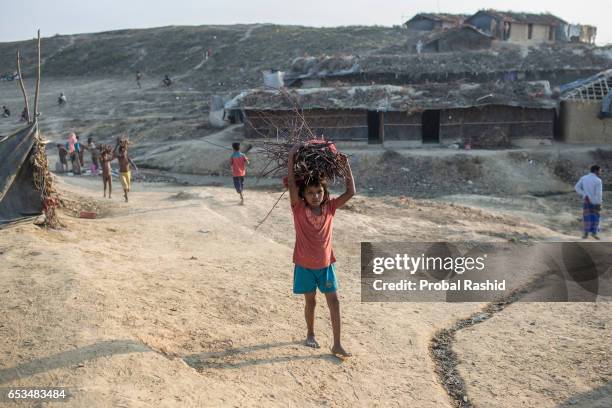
(19, 21)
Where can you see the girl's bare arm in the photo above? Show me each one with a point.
(350, 186)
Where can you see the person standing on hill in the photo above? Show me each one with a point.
(24, 115)
(138, 78)
(238, 161)
(590, 188)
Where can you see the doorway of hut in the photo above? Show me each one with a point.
(375, 127)
(430, 126)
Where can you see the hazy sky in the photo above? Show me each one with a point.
(19, 20)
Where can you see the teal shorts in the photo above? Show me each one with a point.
(307, 280)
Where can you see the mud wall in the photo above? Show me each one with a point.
(580, 124)
(495, 126)
(520, 33)
(402, 126)
(487, 126)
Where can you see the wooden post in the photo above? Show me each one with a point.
(37, 80)
(23, 90)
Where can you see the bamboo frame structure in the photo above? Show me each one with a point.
(36, 95)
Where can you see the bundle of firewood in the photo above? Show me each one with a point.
(314, 160)
(105, 149)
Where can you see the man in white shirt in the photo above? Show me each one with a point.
(590, 188)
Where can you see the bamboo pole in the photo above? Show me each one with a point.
(37, 80)
(23, 90)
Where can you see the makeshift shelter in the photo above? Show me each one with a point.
(519, 27)
(434, 21)
(486, 115)
(26, 186)
(586, 111)
(18, 195)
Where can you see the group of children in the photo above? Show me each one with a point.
(314, 262)
(120, 152)
(101, 158)
(313, 212)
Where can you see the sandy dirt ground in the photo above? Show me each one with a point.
(174, 299)
(539, 355)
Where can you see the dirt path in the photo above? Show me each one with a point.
(248, 32)
(178, 302)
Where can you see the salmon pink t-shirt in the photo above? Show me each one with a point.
(313, 235)
(238, 161)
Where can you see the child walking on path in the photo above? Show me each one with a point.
(238, 161)
(125, 162)
(95, 154)
(106, 156)
(313, 256)
(63, 157)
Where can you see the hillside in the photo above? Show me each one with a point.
(239, 52)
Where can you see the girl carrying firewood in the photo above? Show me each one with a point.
(313, 212)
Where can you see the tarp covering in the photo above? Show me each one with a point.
(18, 198)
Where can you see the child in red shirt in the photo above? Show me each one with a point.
(313, 256)
(238, 161)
